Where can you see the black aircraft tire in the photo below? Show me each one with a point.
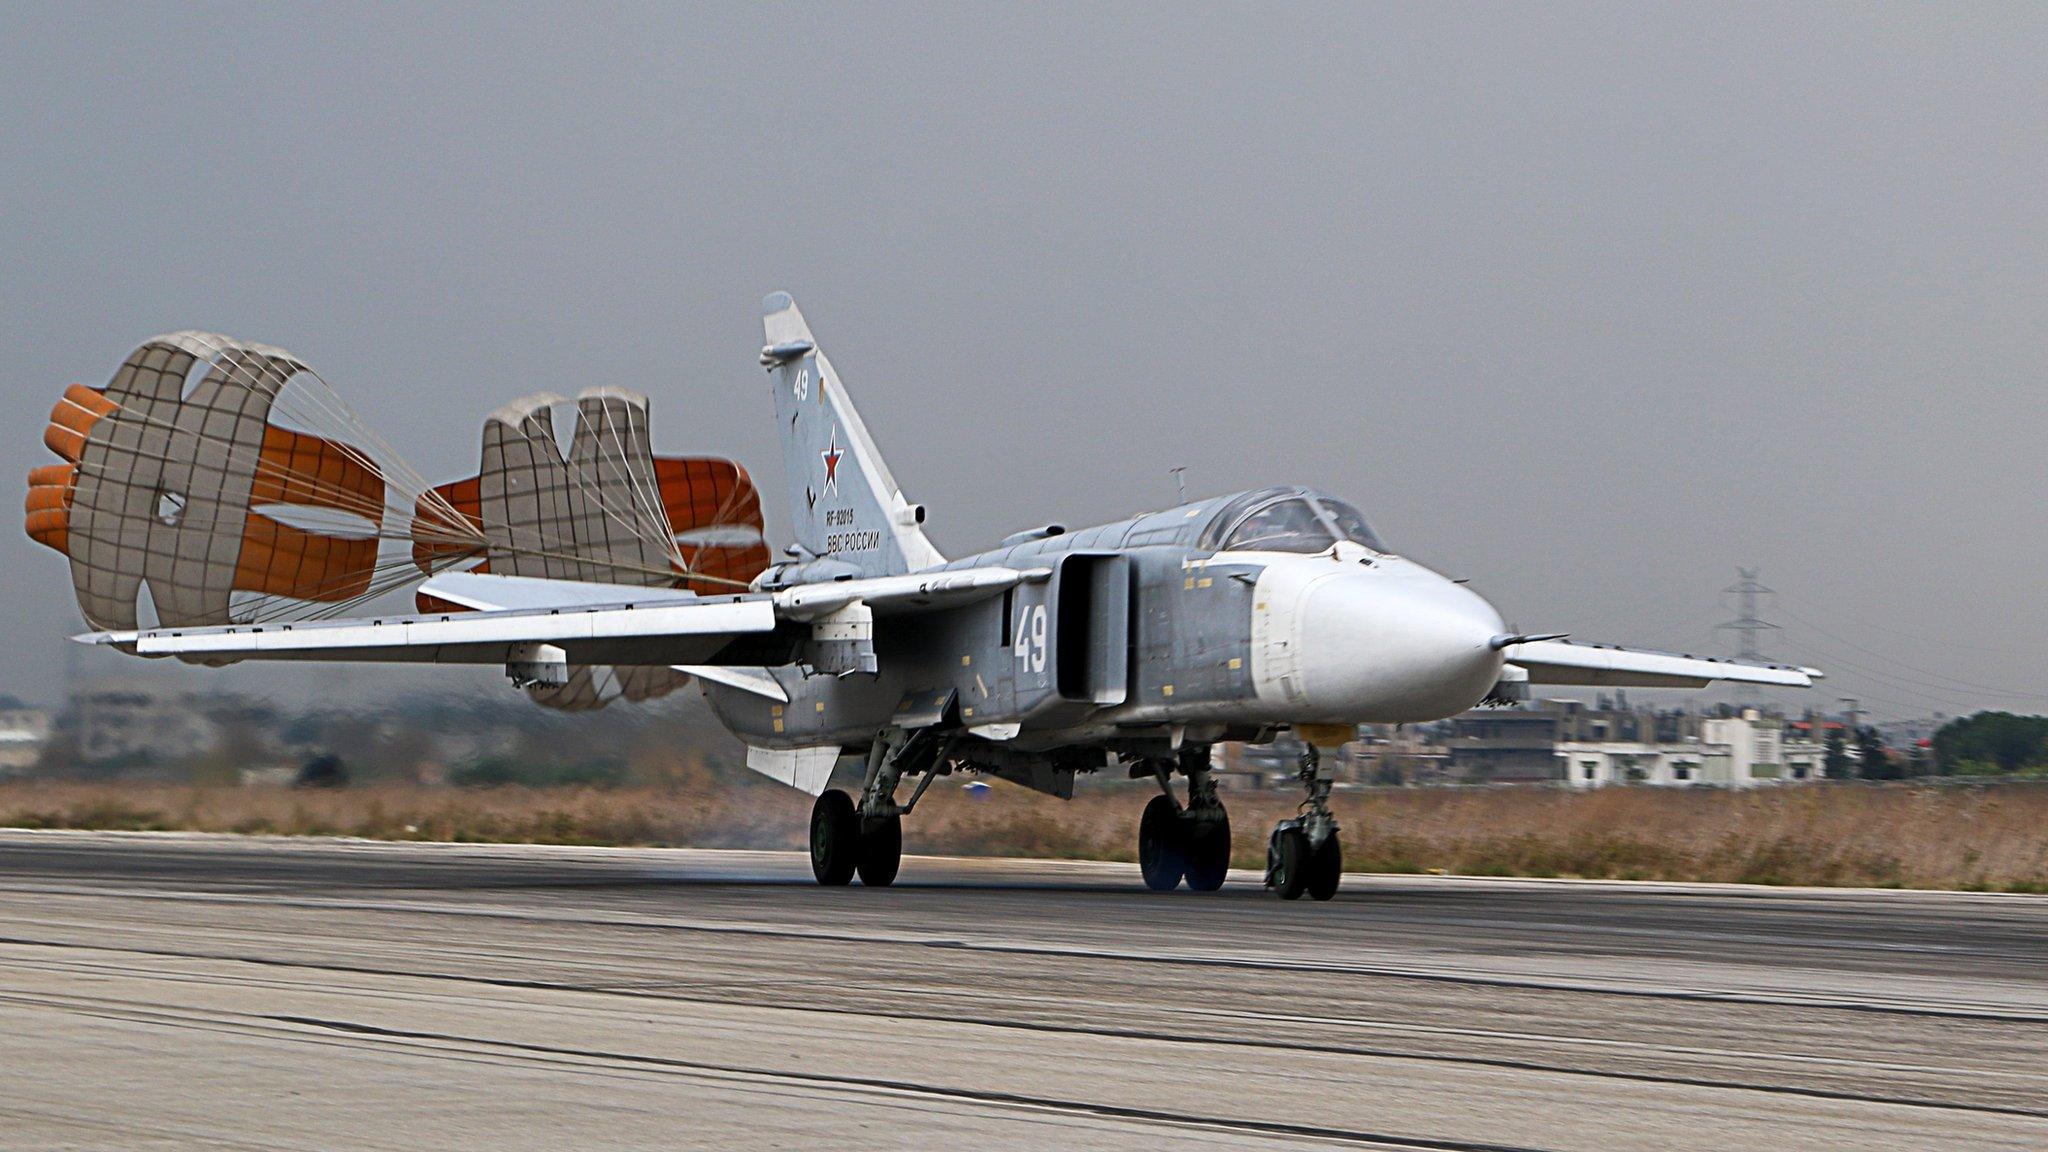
(1326, 869)
(835, 838)
(1162, 846)
(1291, 863)
(1208, 852)
(881, 850)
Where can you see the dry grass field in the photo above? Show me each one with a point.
(1988, 838)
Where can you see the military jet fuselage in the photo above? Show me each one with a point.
(1137, 645)
(1223, 619)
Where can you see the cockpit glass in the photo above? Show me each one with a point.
(1286, 526)
(1350, 523)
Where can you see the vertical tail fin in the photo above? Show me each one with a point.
(842, 501)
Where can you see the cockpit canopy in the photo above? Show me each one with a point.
(1287, 520)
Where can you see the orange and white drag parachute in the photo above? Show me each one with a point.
(228, 484)
(175, 479)
(608, 510)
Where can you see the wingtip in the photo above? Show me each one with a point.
(102, 639)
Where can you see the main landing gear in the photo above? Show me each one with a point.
(845, 843)
(867, 839)
(1189, 842)
(1304, 854)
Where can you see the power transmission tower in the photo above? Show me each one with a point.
(1747, 625)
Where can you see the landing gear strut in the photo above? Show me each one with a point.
(845, 843)
(867, 838)
(1191, 842)
(1304, 854)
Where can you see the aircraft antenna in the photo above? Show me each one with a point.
(1180, 481)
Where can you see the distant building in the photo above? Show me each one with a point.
(141, 721)
(1568, 742)
(1378, 755)
(1911, 733)
(1745, 751)
(1599, 764)
(1763, 748)
(138, 721)
(23, 733)
(1505, 746)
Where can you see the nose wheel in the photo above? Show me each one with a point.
(1295, 868)
(1305, 856)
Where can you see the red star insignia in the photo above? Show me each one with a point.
(831, 456)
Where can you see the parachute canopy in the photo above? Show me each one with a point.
(174, 478)
(609, 510)
(226, 481)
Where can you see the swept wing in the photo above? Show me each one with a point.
(591, 623)
(1610, 666)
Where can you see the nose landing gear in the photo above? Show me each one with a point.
(1304, 854)
(1191, 842)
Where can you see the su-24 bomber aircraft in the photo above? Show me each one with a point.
(1137, 644)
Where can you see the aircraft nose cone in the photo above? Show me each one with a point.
(1389, 649)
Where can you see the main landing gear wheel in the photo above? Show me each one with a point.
(835, 839)
(881, 850)
(1162, 850)
(1208, 849)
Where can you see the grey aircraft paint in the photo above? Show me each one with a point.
(1135, 640)
(1139, 643)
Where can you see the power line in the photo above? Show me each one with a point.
(1946, 641)
(1954, 683)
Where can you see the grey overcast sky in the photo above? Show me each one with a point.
(1586, 303)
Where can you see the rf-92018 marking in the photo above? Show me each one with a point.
(1139, 645)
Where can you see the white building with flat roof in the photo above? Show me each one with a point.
(1746, 751)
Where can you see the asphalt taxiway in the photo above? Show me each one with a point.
(170, 991)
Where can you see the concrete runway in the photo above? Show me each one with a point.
(168, 991)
